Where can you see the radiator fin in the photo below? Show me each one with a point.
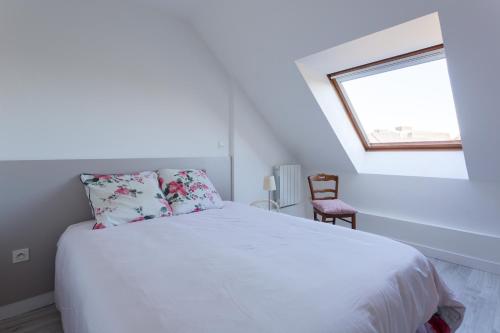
(288, 189)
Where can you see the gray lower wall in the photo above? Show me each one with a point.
(39, 199)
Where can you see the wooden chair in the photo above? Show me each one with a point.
(329, 206)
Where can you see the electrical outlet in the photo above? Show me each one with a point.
(20, 255)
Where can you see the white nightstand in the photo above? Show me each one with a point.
(264, 204)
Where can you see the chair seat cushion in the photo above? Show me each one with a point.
(335, 206)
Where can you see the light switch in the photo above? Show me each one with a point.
(20, 255)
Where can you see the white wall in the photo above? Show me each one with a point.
(470, 206)
(91, 80)
(256, 151)
(261, 58)
(451, 219)
(116, 79)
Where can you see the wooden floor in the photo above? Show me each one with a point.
(44, 320)
(479, 291)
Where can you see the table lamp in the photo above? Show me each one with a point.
(269, 186)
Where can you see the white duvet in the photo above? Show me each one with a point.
(242, 269)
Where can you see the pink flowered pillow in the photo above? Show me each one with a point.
(189, 190)
(120, 199)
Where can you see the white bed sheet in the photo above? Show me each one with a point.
(242, 269)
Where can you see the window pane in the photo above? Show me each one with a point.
(411, 104)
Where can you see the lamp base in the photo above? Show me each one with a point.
(269, 200)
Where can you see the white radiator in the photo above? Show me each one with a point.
(288, 184)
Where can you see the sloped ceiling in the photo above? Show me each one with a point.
(258, 41)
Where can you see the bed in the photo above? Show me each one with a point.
(243, 269)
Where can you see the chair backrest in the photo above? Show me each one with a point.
(323, 177)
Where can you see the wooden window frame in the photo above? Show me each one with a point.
(423, 145)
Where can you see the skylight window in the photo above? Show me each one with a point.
(404, 102)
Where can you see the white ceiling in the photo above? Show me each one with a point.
(258, 42)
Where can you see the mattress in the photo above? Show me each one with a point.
(243, 269)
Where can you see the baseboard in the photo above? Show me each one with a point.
(465, 248)
(457, 258)
(26, 305)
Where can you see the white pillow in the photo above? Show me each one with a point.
(189, 190)
(119, 199)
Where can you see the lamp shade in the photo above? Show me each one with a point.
(269, 183)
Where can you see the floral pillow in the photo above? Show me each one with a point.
(189, 190)
(120, 199)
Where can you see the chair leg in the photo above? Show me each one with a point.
(333, 220)
(315, 216)
(353, 221)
